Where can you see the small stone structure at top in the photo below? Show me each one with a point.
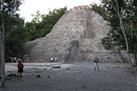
(75, 37)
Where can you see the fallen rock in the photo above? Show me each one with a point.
(56, 66)
(67, 68)
(38, 76)
(48, 76)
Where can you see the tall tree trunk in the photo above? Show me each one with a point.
(2, 47)
(126, 41)
(116, 8)
(123, 31)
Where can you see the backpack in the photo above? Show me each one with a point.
(96, 60)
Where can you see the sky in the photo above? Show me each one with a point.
(30, 7)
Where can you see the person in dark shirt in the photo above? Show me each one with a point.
(20, 67)
(96, 61)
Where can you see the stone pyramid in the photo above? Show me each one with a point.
(76, 36)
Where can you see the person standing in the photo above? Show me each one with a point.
(20, 67)
(96, 61)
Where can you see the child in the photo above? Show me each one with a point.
(96, 61)
(20, 67)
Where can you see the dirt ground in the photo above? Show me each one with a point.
(71, 77)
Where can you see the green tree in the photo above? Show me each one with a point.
(2, 45)
(13, 28)
(101, 11)
(14, 38)
(41, 25)
(123, 21)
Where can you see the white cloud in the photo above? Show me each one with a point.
(30, 7)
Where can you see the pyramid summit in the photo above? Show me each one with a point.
(81, 7)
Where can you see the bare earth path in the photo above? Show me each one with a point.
(72, 77)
